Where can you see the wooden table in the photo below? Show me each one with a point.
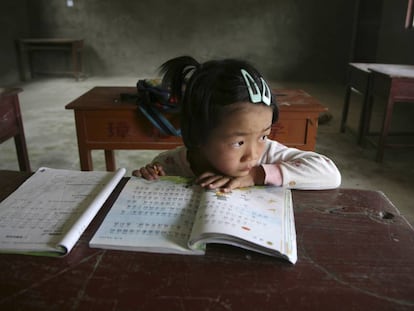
(355, 252)
(25, 47)
(105, 122)
(394, 83)
(11, 124)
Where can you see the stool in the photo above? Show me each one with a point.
(11, 125)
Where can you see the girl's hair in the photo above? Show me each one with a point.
(204, 90)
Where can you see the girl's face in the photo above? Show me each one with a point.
(236, 145)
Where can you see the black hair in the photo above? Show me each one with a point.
(204, 90)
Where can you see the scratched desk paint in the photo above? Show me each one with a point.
(355, 253)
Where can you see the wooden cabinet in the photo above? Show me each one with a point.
(104, 122)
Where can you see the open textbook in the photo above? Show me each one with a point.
(49, 212)
(170, 215)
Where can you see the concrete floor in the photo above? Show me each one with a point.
(51, 137)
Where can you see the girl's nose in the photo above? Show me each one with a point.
(251, 153)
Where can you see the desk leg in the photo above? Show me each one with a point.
(22, 59)
(22, 155)
(85, 156)
(75, 62)
(110, 160)
(365, 118)
(385, 129)
(345, 108)
(85, 159)
(20, 139)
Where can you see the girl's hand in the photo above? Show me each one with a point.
(150, 171)
(211, 180)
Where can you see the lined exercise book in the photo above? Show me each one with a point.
(48, 213)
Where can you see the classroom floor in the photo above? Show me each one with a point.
(51, 137)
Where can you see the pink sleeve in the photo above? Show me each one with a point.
(273, 175)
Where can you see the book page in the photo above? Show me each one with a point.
(257, 218)
(40, 213)
(82, 222)
(151, 216)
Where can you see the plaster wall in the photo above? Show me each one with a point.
(285, 39)
(13, 24)
(297, 40)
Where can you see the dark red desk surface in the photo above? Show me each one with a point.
(353, 255)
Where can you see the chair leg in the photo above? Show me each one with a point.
(345, 109)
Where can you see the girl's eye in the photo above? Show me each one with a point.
(263, 138)
(238, 144)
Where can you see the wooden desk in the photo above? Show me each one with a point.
(355, 252)
(103, 121)
(26, 46)
(11, 125)
(395, 83)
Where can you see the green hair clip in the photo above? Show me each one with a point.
(255, 96)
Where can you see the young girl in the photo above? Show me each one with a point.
(226, 117)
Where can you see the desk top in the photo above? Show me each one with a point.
(9, 91)
(355, 252)
(393, 70)
(108, 98)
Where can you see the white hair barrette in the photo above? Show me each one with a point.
(255, 95)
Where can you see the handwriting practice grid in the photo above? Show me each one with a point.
(46, 205)
(150, 212)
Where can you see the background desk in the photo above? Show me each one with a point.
(26, 46)
(355, 252)
(393, 82)
(11, 125)
(103, 121)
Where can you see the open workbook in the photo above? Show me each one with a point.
(170, 215)
(48, 213)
